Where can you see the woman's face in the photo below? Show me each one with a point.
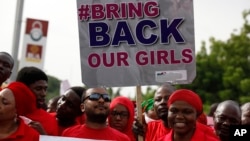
(7, 105)
(182, 117)
(119, 117)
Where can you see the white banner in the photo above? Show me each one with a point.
(34, 44)
(131, 43)
(58, 138)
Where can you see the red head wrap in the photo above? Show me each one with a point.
(130, 106)
(187, 96)
(24, 98)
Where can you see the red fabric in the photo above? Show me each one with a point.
(187, 96)
(202, 119)
(23, 133)
(61, 128)
(201, 134)
(81, 119)
(82, 131)
(130, 106)
(48, 122)
(26, 106)
(155, 130)
(24, 98)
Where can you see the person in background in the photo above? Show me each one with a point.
(95, 105)
(6, 66)
(68, 108)
(184, 107)
(52, 104)
(158, 128)
(227, 113)
(245, 113)
(148, 111)
(42, 121)
(122, 115)
(37, 81)
(210, 115)
(12, 127)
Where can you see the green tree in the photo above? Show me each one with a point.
(224, 73)
(53, 87)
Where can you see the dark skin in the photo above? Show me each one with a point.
(161, 97)
(227, 113)
(6, 65)
(68, 108)
(39, 88)
(245, 114)
(182, 119)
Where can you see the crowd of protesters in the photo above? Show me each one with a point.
(90, 113)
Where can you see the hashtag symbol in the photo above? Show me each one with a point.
(83, 12)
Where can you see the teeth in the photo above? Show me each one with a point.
(180, 124)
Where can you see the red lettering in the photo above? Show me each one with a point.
(108, 60)
(173, 60)
(162, 56)
(122, 58)
(94, 60)
(187, 54)
(141, 58)
(98, 12)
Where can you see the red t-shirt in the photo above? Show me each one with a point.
(23, 133)
(155, 130)
(48, 122)
(107, 133)
(202, 133)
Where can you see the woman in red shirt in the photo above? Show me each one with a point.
(184, 108)
(12, 127)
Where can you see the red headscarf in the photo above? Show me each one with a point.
(130, 106)
(187, 96)
(26, 106)
(24, 98)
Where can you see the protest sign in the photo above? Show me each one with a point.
(135, 43)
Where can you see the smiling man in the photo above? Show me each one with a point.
(95, 104)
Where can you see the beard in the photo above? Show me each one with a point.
(97, 118)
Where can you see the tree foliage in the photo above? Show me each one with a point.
(224, 72)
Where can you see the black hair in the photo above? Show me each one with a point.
(78, 90)
(29, 75)
(11, 58)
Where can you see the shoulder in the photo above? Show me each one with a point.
(154, 123)
(72, 130)
(118, 134)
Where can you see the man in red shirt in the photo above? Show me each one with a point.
(158, 128)
(6, 65)
(95, 105)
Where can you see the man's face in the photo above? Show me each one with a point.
(96, 105)
(245, 114)
(224, 116)
(6, 66)
(68, 106)
(160, 102)
(39, 88)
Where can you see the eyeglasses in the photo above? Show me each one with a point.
(121, 114)
(97, 96)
